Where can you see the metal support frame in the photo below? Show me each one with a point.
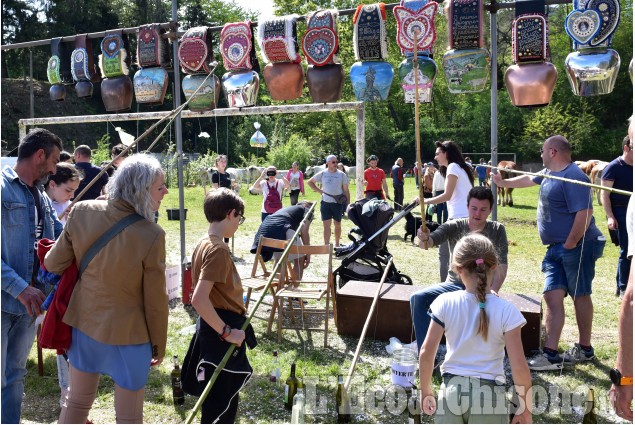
(23, 125)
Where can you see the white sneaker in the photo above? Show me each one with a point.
(543, 361)
(576, 354)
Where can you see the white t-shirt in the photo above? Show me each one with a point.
(630, 226)
(264, 185)
(438, 182)
(457, 205)
(332, 183)
(468, 354)
(60, 208)
(294, 180)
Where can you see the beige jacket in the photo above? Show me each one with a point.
(121, 298)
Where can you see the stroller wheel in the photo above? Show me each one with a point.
(404, 279)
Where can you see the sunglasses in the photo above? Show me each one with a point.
(241, 220)
(549, 149)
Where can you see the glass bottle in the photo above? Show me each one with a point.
(177, 388)
(299, 406)
(589, 415)
(290, 388)
(274, 375)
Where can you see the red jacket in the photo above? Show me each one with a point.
(55, 333)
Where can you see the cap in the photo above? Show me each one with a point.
(330, 158)
(372, 158)
(430, 164)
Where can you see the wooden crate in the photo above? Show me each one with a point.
(391, 317)
(531, 308)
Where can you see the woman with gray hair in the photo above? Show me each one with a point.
(118, 311)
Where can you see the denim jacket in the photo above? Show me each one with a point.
(18, 237)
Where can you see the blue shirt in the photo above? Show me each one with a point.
(621, 174)
(18, 237)
(481, 172)
(559, 202)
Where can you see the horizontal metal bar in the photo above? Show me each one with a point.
(222, 112)
(100, 34)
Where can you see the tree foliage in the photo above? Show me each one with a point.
(595, 125)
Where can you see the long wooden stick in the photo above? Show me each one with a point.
(415, 67)
(231, 349)
(351, 370)
(547, 176)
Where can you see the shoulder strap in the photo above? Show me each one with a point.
(105, 238)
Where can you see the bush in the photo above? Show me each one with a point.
(283, 155)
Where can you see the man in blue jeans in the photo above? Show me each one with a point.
(566, 225)
(480, 202)
(27, 216)
(619, 174)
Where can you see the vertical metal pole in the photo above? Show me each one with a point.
(359, 155)
(494, 94)
(31, 98)
(179, 142)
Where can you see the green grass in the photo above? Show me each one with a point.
(262, 403)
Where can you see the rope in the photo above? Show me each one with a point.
(546, 176)
(231, 349)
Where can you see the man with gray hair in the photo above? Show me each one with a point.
(566, 225)
(27, 216)
(334, 193)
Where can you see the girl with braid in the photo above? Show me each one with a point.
(478, 327)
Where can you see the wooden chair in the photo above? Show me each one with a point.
(301, 290)
(260, 275)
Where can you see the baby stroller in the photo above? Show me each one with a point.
(366, 257)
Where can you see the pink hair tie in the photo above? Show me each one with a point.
(479, 261)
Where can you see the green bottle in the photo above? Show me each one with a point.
(177, 389)
(290, 388)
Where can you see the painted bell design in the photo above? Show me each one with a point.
(592, 70)
(371, 80)
(58, 69)
(206, 98)
(427, 72)
(532, 79)
(150, 85)
(467, 70)
(241, 88)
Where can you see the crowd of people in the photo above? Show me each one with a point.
(116, 314)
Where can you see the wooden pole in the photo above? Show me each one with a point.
(351, 370)
(415, 67)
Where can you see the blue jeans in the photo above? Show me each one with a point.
(420, 303)
(442, 209)
(18, 334)
(623, 263)
(572, 270)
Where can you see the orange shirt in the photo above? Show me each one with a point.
(374, 178)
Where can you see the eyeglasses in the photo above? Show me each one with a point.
(334, 162)
(241, 220)
(549, 149)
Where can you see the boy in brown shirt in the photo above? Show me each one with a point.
(218, 299)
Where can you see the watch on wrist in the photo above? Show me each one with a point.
(618, 380)
(227, 330)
